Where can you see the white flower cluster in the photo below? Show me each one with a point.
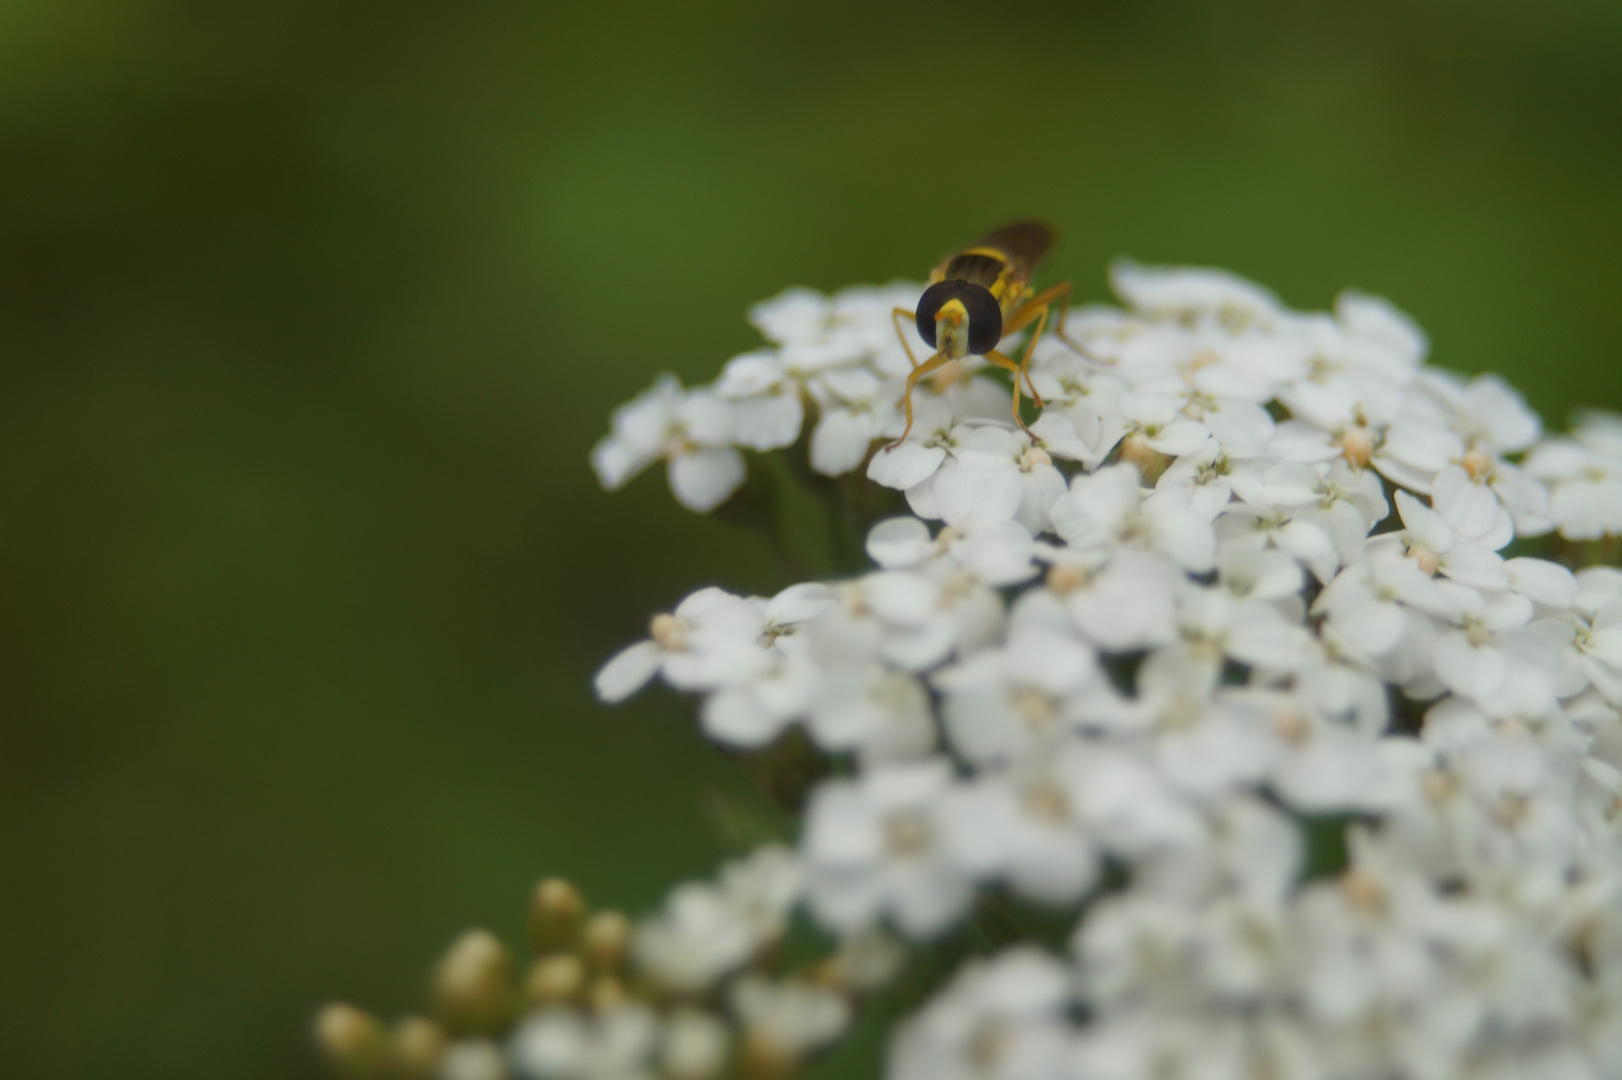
(1246, 569)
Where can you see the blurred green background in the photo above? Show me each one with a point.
(310, 312)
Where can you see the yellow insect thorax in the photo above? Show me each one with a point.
(952, 329)
(1004, 289)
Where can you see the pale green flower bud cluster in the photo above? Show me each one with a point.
(699, 991)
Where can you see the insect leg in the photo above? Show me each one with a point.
(1028, 311)
(895, 320)
(1036, 308)
(1007, 364)
(1025, 361)
(918, 372)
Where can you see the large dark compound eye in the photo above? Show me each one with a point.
(985, 316)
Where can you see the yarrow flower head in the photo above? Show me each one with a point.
(692, 430)
(1249, 711)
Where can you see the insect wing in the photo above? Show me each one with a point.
(1024, 243)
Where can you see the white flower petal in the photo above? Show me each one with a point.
(840, 440)
(1470, 508)
(1472, 565)
(1297, 441)
(799, 603)
(768, 421)
(1424, 524)
(901, 597)
(1179, 437)
(1129, 606)
(1311, 546)
(1289, 484)
(705, 418)
(735, 717)
(1511, 425)
(1466, 669)
(749, 374)
(1376, 319)
(905, 466)
(628, 672)
(1606, 645)
(1422, 444)
(997, 555)
(1183, 535)
(1542, 581)
(899, 542)
(1371, 628)
(617, 462)
(976, 496)
(791, 315)
(703, 479)
(1587, 509)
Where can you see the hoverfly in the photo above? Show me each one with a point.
(977, 296)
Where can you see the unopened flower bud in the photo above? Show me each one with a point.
(1034, 457)
(473, 986)
(554, 915)
(1150, 462)
(1363, 890)
(607, 994)
(760, 1060)
(419, 1044)
(1477, 464)
(352, 1041)
(1357, 446)
(559, 977)
(668, 631)
(1426, 559)
(1066, 578)
(1292, 726)
(605, 937)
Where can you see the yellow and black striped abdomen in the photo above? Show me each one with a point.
(977, 266)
